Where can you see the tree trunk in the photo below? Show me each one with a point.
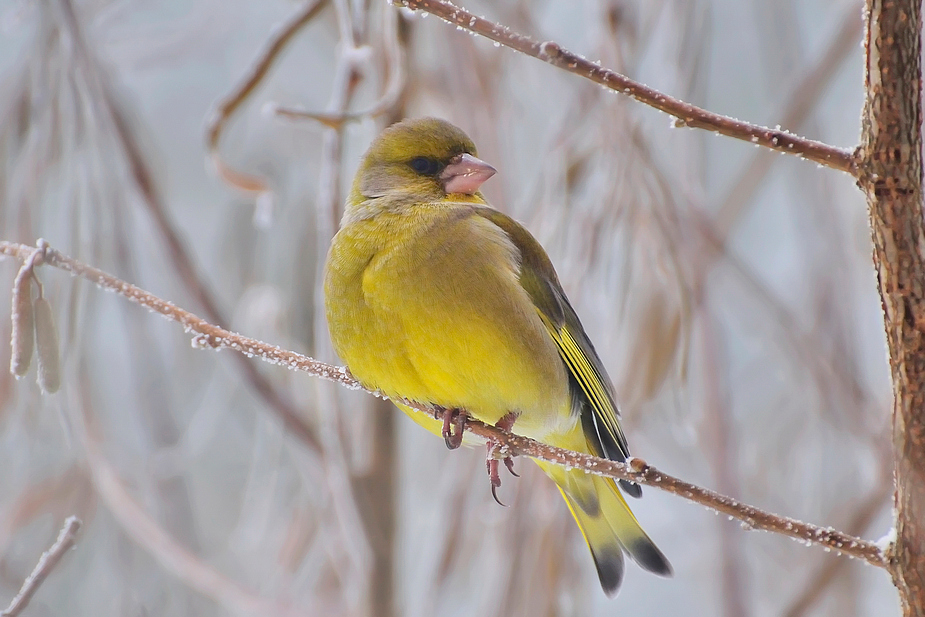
(890, 173)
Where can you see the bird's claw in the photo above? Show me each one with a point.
(453, 419)
(509, 463)
(493, 477)
(496, 454)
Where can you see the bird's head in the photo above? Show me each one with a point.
(419, 160)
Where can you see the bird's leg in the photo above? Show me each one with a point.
(452, 418)
(506, 423)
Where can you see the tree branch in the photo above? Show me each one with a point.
(890, 174)
(47, 562)
(687, 115)
(636, 470)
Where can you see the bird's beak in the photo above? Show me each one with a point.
(465, 174)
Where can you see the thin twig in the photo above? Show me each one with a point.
(636, 470)
(397, 79)
(687, 115)
(228, 105)
(206, 334)
(47, 562)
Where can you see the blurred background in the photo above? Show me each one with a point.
(729, 291)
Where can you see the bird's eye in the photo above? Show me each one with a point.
(425, 166)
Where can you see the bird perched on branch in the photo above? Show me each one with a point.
(435, 297)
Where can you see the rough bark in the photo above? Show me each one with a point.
(890, 174)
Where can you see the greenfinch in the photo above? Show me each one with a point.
(433, 296)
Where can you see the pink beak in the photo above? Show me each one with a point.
(465, 174)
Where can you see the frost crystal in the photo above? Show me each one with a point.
(887, 540)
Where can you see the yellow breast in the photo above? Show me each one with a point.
(426, 304)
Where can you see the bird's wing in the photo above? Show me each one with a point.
(592, 391)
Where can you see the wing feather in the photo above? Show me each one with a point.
(591, 387)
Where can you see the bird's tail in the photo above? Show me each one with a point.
(607, 524)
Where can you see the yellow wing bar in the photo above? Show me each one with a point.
(591, 382)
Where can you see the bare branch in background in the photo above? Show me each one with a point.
(228, 105)
(636, 470)
(805, 94)
(397, 81)
(149, 535)
(354, 528)
(67, 537)
(179, 255)
(687, 115)
(722, 452)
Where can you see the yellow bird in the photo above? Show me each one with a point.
(433, 296)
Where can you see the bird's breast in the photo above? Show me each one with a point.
(427, 305)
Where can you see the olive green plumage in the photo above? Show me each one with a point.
(434, 296)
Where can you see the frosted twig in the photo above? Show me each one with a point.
(636, 470)
(47, 562)
(818, 582)
(687, 115)
(208, 335)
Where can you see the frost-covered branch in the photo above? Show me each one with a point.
(207, 334)
(686, 114)
(47, 562)
(636, 470)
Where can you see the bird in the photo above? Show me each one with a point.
(433, 296)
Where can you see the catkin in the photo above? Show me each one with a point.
(22, 338)
(46, 338)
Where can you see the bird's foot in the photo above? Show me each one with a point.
(497, 453)
(453, 419)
